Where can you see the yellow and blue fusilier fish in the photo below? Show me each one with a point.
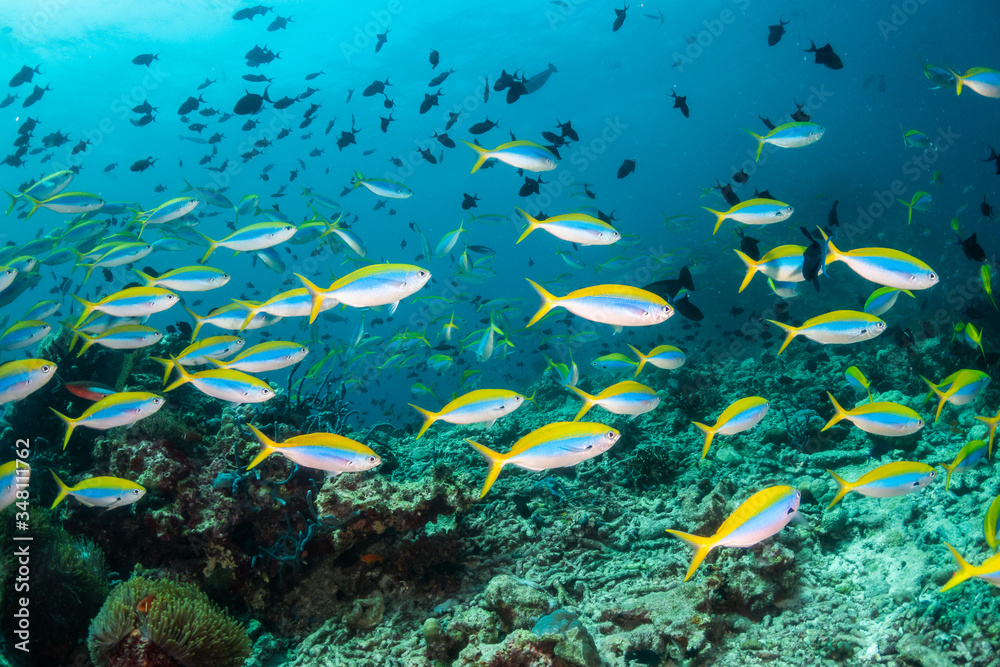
(129, 302)
(972, 453)
(984, 274)
(789, 135)
(858, 382)
(382, 187)
(784, 290)
(882, 418)
(982, 80)
(125, 337)
(270, 356)
(165, 212)
(257, 236)
(760, 516)
(23, 334)
(14, 476)
(202, 352)
(331, 453)
(617, 305)
(44, 188)
(121, 409)
(783, 264)
(884, 266)
(106, 492)
(556, 445)
(226, 385)
(369, 287)
(65, 202)
(989, 571)
(991, 424)
(525, 155)
(7, 276)
(960, 388)
(758, 211)
(478, 406)
(292, 303)
(623, 398)
(616, 362)
(187, 279)
(883, 299)
(840, 327)
(740, 416)
(973, 338)
(990, 523)
(568, 374)
(920, 201)
(117, 255)
(42, 310)
(578, 228)
(666, 357)
(24, 377)
(230, 317)
(887, 481)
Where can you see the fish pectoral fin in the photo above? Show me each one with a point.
(392, 308)
(618, 329)
(490, 424)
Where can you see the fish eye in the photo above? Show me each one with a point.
(157, 400)
(372, 459)
(517, 399)
(135, 492)
(932, 275)
(421, 273)
(611, 435)
(46, 368)
(265, 392)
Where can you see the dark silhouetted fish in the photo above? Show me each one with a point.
(140, 166)
(985, 208)
(831, 219)
(35, 95)
(669, 288)
(385, 122)
(279, 23)
(145, 59)
(503, 81)
(515, 90)
(619, 19)
(774, 32)
(628, 166)
(313, 75)
(534, 83)
(813, 258)
(972, 249)
(530, 186)
(994, 157)
(7, 101)
(383, 38)
(681, 103)
(439, 79)
(469, 201)
(727, 193)
(687, 309)
(767, 123)
(24, 75)
(483, 127)
(189, 105)
(826, 56)
(435, 58)
(748, 245)
(567, 130)
(375, 87)
(429, 101)
(250, 103)
(741, 177)
(444, 140)
(256, 78)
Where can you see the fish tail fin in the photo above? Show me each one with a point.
(909, 210)
(833, 254)
(88, 308)
(63, 489)
(252, 311)
(168, 365)
(481, 155)
(838, 413)
(267, 447)
(959, 80)
(494, 460)
(642, 360)
(198, 322)
(548, 302)
(429, 418)
(35, 203)
(751, 265)
(87, 342)
(146, 278)
(942, 397)
(965, 570)
(709, 432)
(13, 201)
(532, 225)
(760, 143)
(947, 480)
(790, 333)
(843, 487)
(70, 425)
(212, 245)
(702, 545)
(588, 402)
(719, 217)
(532, 399)
(184, 378)
(316, 294)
